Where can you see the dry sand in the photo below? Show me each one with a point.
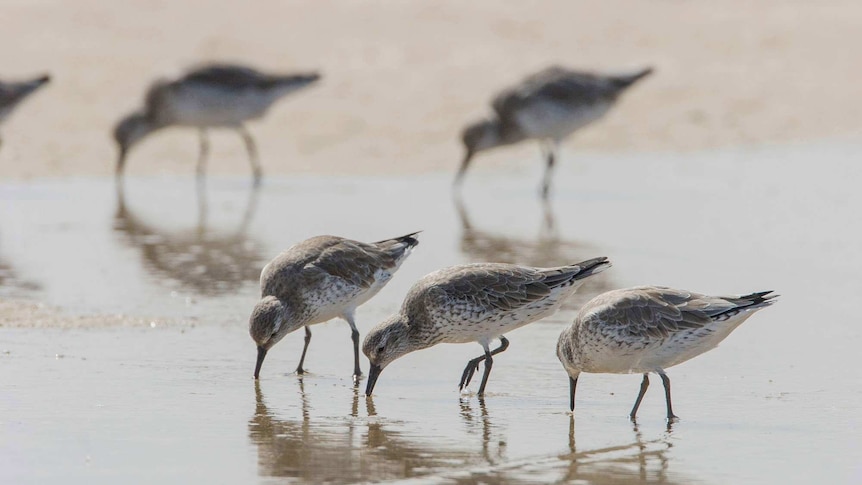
(401, 78)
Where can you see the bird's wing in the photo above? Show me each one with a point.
(6, 93)
(228, 75)
(553, 84)
(353, 261)
(282, 275)
(473, 292)
(658, 312)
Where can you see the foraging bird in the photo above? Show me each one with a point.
(547, 106)
(648, 329)
(473, 303)
(12, 93)
(320, 279)
(217, 96)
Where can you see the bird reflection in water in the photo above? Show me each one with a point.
(548, 249)
(13, 285)
(344, 448)
(363, 446)
(638, 462)
(481, 422)
(641, 461)
(201, 260)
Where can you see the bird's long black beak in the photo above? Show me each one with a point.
(261, 354)
(573, 383)
(373, 374)
(459, 177)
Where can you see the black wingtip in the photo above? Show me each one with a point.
(409, 239)
(309, 77)
(593, 266)
(759, 297)
(625, 81)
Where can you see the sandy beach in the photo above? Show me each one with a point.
(124, 347)
(402, 78)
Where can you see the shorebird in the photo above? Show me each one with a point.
(12, 93)
(547, 106)
(217, 96)
(472, 303)
(320, 279)
(648, 329)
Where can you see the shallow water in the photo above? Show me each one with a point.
(174, 401)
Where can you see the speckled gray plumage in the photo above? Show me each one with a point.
(319, 279)
(649, 329)
(473, 303)
(330, 268)
(484, 298)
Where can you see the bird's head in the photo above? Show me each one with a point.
(267, 325)
(478, 136)
(129, 131)
(567, 354)
(481, 135)
(385, 342)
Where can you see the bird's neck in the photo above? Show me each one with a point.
(507, 134)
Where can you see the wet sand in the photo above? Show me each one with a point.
(171, 399)
(124, 353)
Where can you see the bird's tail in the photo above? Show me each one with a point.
(39, 81)
(401, 246)
(759, 299)
(293, 81)
(746, 303)
(27, 87)
(569, 274)
(625, 81)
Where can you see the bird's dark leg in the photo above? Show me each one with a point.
(459, 177)
(488, 363)
(473, 366)
(549, 231)
(644, 385)
(251, 148)
(573, 383)
(299, 369)
(666, 381)
(202, 207)
(204, 153)
(357, 372)
(550, 157)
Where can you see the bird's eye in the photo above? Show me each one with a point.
(381, 348)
